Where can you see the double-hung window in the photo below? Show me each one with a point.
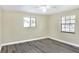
(68, 23)
(29, 21)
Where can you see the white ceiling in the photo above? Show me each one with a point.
(37, 10)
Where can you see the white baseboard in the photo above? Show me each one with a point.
(73, 44)
(23, 41)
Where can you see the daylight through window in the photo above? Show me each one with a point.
(29, 21)
(68, 23)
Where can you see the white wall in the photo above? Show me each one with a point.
(55, 28)
(13, 29)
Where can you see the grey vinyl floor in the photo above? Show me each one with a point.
(39, 46)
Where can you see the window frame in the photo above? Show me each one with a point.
(35, 21)
(30, 22)
(65, 24)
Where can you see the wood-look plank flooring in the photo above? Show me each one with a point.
(39, 46)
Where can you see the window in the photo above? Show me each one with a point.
(68, 23)
(29, 21)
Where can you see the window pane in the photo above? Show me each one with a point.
(73, 17)
(72, 26)
(67, 29)
(26, 24)
(68, 21)
(33, 22)
(68, 17)
(72, 30)
(67, 26)
(63, 21)
(63, 27)
(63, 18)
(26, 21)
(72, 21)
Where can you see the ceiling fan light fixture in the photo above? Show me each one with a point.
(44, 10)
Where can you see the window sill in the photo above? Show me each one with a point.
(68, 32)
